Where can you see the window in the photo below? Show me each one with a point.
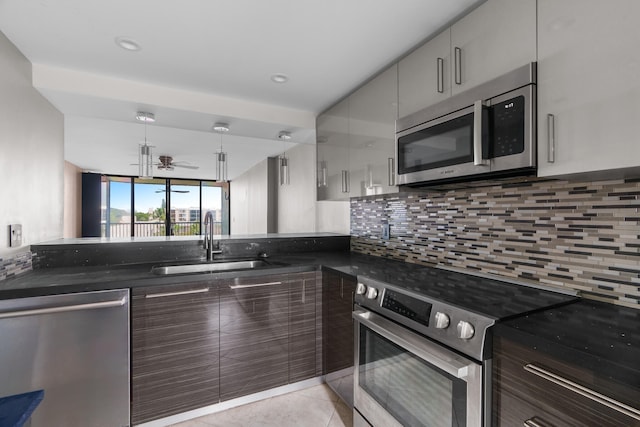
(161, 207)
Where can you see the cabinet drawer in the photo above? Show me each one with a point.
(532, 386)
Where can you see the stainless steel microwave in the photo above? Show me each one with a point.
(487, 131)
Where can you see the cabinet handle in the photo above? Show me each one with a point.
(457, 53)
(63, 308)
(254, 285)
(477, 134)
(535, 422)
(551, 138)
(583, 391)
(440, 81)
(391, 170)
(175, 294)
(345, 181)
(304, 291)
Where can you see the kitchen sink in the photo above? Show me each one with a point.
(210, 267)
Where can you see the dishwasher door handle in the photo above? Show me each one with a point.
(63, 308)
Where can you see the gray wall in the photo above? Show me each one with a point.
(32, 159)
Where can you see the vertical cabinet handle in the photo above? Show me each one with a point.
(457, 53)
(440, 81)
(551, 138)
(391, 170)
(345, 181)
(477, 134)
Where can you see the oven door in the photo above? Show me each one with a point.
(404, 379)
(450, 146)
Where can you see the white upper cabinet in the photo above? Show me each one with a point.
(588, 86)
(497, 37)
(373, 110)
(332, 130)
(424, 76)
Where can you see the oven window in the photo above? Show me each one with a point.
(446, 144)
(410, 389)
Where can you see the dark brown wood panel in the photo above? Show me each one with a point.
(175, 350)
(254, 335)
(519, 395)
(337, 299)
(302, 326)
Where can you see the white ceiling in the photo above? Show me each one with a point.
(203, 61)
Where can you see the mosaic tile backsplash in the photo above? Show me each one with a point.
(579, 235)
(11, 266)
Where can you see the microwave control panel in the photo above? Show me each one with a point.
(507, 127)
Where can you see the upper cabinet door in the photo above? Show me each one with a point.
(497, 37)
(588, 86)
(424, 76)
(332, 130)
(373, 110)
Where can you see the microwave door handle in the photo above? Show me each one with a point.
(477, 134)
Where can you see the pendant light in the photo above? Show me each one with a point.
(145, 152)
(322, 165)
(283, 159)
(221, 156)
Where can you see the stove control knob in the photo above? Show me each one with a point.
(372, 293)
(361, 289)
(442, 321)
(465, 330)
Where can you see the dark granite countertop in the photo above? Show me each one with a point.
(603, 338)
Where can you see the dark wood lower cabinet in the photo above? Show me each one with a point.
(254, 335)
(337, 299)
(304, 336)
(197, 344)
(525, 398)
(175, 349)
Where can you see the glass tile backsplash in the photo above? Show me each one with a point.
(579, 235)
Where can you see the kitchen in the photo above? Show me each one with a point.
(574, 228)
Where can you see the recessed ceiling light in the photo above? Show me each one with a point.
(127, 44)
(141, 116)
(284, 135)
(279, 78)
(221, 127)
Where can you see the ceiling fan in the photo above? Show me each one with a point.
(167, 163)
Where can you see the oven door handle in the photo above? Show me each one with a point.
(439, 357)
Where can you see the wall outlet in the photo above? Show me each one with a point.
(385, 231)
(15, 235)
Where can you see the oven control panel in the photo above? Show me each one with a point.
(451, 325)
(407, 306)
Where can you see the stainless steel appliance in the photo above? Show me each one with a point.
(75, 347)
(487, 131)
(423, 346)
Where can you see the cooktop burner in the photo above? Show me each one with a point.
(452, 308)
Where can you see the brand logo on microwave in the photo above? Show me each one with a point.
(509, 105)
(447, 171)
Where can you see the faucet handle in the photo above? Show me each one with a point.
(263, 255)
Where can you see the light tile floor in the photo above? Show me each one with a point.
(316, 406)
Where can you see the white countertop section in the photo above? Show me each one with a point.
(159, 239)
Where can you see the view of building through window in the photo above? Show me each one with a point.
(161, 207)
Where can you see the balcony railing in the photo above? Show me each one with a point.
(149, 229)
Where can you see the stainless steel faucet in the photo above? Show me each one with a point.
(207, 244)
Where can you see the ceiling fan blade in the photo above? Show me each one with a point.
(180, 191)
(186, 166)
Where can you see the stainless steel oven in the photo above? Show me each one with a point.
(489, 130)
(423, 344)
(403, 379)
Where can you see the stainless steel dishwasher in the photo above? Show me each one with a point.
(75, 347)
